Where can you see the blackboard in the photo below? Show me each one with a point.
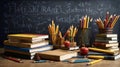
(33, 16)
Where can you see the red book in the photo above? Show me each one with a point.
(105, 45)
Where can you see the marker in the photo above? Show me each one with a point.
(95, 61)
(14, 59)
(80, 61)
(39, 61)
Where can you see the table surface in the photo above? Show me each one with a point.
(28, 63)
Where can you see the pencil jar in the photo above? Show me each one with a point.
(106, 31)
(83, 37)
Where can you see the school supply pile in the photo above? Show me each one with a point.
(26, 45)
(106, 41)
(58, 40)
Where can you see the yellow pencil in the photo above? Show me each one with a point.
(115, 20)
(57, 29)
(95, 61)
(71, 30)
(95, 57)
(53, 26)
(88, 21)
(102, 50)
(75, 31)
(84, 22)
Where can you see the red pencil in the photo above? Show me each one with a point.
(14, 59)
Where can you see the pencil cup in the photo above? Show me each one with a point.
(83, 37)
(106, 31)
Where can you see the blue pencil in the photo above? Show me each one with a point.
(80, 60)
(40, 61)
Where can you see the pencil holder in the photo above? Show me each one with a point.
(83, 37)
(106, 31)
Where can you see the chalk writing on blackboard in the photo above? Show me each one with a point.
(32, 15)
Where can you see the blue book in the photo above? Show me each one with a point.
(37, 49)
(97, 53)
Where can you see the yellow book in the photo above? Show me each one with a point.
(27, 36)
(103, 51)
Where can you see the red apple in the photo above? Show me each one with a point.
(67, 43)
(84, 50)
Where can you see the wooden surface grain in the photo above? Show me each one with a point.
(28, 63)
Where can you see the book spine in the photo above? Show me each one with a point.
(18, 55)
(20, 52)
(106, 57)
(50, 57)
(17, 48)
(106, 38)
(99, 44)
(106, 35)
(26, 45)
(106, 41)
(15, 44)
(27, 49)
(105, 45)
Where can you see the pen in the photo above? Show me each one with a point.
(95, 61)
(39, 61)
(14, 59)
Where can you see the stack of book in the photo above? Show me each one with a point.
(107, 41)
(105, 47)
(97, 53)
(26, 45)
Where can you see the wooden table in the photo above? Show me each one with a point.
(28, 63)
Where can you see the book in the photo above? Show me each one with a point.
(70, 48)
(20, 52)
(17, 55)
(28, 36)
(25, 40)
(57, 55)
(106, 57)
(107, 38)
(98, 53)
(103, 51)
(108, 48)
(113, 49)
(37, 49)
(106, 41)
(104, 45)
(66, 48)
(106, 35)
(26, 45)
